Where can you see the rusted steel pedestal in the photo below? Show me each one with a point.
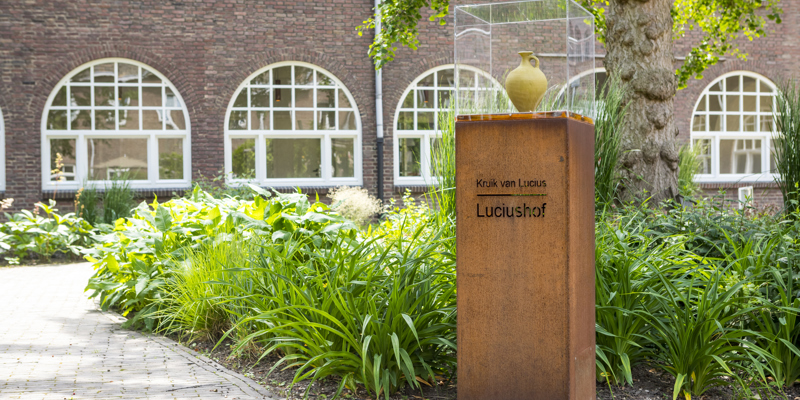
(525, 205)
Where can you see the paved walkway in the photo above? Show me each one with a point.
(55, 344)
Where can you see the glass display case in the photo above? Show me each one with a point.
(491, 41)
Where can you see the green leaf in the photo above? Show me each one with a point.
(163, 219)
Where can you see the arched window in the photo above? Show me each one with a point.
(416, 122)
(733, 123)
(290, 124)
(115, 118)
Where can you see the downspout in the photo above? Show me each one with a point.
(379, 105)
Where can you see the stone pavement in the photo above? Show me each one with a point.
(55, 344)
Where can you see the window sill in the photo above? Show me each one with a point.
(737, 184)
(139, 193)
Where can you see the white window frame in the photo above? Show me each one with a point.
(81, 136)
(426, 136)
(715, 137)
(2, 154)
(326, 168)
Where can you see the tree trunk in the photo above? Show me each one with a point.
(639, 45)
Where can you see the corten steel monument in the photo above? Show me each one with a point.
(525, 205)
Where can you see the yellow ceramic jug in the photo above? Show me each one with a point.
(526, 84)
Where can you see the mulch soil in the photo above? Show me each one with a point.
(650, 383)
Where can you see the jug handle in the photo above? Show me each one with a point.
(537, 61)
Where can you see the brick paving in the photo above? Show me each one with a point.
(55, 344)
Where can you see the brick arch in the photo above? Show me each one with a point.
(319, 59)
(57, 70)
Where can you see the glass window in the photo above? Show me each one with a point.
(293, 124)
(416, 122)
(116, 119)
(733, 123)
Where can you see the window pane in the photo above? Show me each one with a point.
(57, 119)
(426, 81)
(259, 120)
(293, 158)
(304, 120)
(282, 76)
(714, 102)
(80, 95)
(238, 120)
(732, 123)
(151, 119)
(243, 158)
(304, 98)
(104, 120)
(259, 97)
(171, 100)
(699, 123)
(409, 156)
(408, 102)
(81, 120)
(765, 88)
(324, 80)
(282, 98)
(714, 123)
(241, 99)
(740, 156)
(129, 96)
(128, 119)
(405, 121)
(104, 72)
(732, 103)
(732, 84)
(749, 103)
(104, 96)
(749, 123)
(325, 98)
(766, 104)
(62, 159)
(61, 97)
(717, 87)
(83, 76)
(702, 105)
(343, 101)
(127, 73)
(766, 123)
(466, 79)
(704, 157)
(347, 120)
(444, 99)
(425, 99)
(749, 84)
(149, 76)
(343, 157)
(175, 120)
(303, 76)
(117, 158)
(261, 79)
(151, 96)
(326, 120)
(446, 78)
(283, 120)
(425, 120)
(170, 158)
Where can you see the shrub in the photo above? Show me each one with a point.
(610, 116)
(86, 204)
(355, 204)
(689, 165)
(786, 142)
(117, 200)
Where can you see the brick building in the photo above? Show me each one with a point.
(284, 93)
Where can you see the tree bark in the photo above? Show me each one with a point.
(639, 46)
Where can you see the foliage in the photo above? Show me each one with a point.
(403, 221)
(355, 204)
(42, 233)
(87, 204)
(607, 141)
(379, 313)
(689, 165)
(117, 200)
(722, 23)
(132, 262)
(786, 142)
(217, 186)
